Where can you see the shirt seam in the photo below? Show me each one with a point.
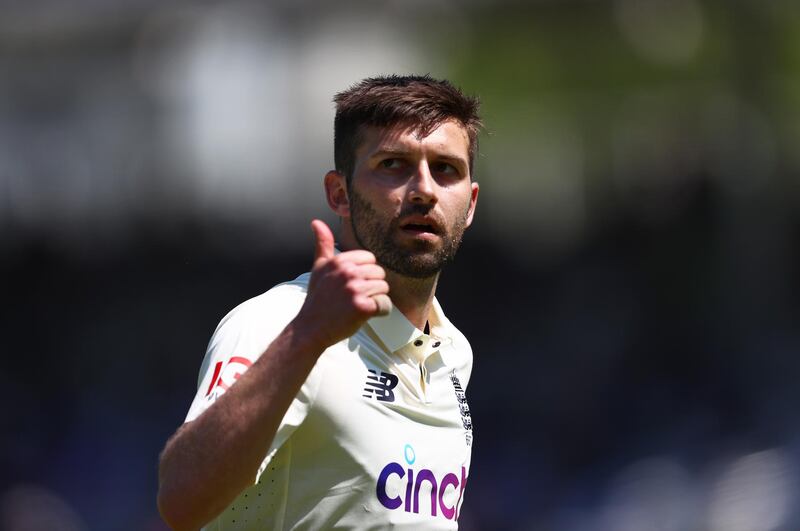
(282, 522)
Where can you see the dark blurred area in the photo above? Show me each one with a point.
(630, 285)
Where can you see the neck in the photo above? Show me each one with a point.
(412, 296)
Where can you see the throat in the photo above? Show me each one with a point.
(412, 296)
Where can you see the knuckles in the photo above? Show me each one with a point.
(352, 276)
(347, 269)
(353, 286)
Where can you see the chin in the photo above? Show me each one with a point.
(420, 246)
(420, 266)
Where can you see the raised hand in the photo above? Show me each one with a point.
(344, 290)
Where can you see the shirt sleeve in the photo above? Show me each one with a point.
(239, 340)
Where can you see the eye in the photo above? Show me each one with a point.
(444, 168)
(391, 164)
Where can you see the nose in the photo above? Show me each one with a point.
(422, 186)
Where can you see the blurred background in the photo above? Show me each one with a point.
(630, 285)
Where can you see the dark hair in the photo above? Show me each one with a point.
(420, 102)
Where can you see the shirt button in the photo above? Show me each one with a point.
(437, 344)
(418, 343)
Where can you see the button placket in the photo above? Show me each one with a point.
(420, 349)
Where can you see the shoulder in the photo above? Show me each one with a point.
(461, 350)
(252, 325)
(282, 299)
(290, 292)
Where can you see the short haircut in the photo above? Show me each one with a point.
(419, 102)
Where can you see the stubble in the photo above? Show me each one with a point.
(416, 259)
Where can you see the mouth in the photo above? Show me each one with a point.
(416, 228)
(420, 227)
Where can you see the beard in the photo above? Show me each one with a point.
(416, 259)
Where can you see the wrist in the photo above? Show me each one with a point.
(307, 336)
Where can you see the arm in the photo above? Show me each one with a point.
(210, 460)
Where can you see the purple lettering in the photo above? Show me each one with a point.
(461, 491)
(380, 489)
(425, 475)
(415, 487)
(409, 484)
(449, 479)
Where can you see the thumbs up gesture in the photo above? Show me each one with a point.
(344, 290)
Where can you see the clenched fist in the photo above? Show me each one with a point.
(344, 290)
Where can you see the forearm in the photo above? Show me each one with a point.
(210, 460)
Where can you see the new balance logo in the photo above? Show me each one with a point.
(380, 386)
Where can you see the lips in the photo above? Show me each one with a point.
(420, 225)
(413, 227)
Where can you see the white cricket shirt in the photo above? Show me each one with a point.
(379, 435)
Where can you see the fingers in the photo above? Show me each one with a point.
(370, 272)
(374, 305)
(383, 304)
(363, 289)
(357, 257)
(323, 248)
(368, 288)
(344, 290)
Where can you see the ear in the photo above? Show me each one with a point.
(473, 201)
(336, 193)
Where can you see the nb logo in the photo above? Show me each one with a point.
(380, 386)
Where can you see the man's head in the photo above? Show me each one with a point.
(404, 149)
(419, 103)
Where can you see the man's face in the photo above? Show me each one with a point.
(411, 199)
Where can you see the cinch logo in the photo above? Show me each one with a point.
(415, 483)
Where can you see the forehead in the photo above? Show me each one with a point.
(448, 138)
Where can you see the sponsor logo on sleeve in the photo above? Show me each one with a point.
(225, 374)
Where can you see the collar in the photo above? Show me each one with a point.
(395, 331)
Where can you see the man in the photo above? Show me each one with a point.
(337, 399)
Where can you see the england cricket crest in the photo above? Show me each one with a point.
(461, 396)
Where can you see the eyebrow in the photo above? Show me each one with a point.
(453, 159)
(392, 152)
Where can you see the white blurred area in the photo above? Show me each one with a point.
(248, 123)
(218, 114)
(756, 492)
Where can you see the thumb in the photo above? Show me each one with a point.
(323, 247)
